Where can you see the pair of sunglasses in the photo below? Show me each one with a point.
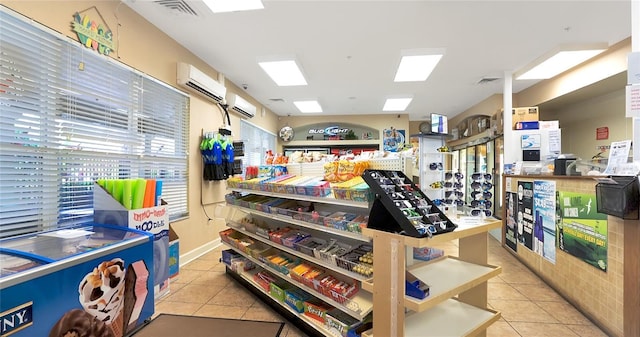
(479, 176)
(479, 212)
(457, 202)
(435, 166)
(450, 175)
(484, 186)
(481, 203)
(481, 195)
(449, 184)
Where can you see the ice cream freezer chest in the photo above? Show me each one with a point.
(90, 280)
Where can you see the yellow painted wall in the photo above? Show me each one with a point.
(143, 47)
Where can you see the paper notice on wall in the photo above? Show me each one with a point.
(555, 141)
(632, 100)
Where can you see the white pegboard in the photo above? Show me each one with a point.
(392, 164)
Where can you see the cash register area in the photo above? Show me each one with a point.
(529, 307)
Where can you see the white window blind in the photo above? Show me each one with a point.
(69, 116)
(256, 143)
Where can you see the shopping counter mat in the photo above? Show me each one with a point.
(166, 325)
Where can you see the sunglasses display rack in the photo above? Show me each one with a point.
(401, 207)
(481, 185)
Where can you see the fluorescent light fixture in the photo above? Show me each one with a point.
(221, 6)
(308, 106)
(284, 72)
(558, 61)
(396, 104)
(417, 64)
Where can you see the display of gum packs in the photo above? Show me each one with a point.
(315, 187)
(239, 264)
(360, 192)
(264, 279)
(277, 289)
(316, 309)
(298, 271)
(290, 239)
(295, 299)
(339, 323)
(276, 236)
(340, 190)
(309, 244)
(269, 185)
(281, 185)
(342, 291)
(339, 220)
(282, 263)
(356, 225)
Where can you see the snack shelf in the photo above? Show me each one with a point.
(358, 306)
(325, 200)
(300, 223)
(248, 277)
(446, 276)
(450, 318)
(299, 254)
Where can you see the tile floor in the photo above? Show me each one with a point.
(529, 307)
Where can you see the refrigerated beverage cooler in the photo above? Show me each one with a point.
(85, 280)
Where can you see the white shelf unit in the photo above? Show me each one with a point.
(427, 154)
(439, 314)
(247, 276)
(361, 304)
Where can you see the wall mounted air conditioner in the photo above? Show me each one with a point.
(241, 106)
(191, 78)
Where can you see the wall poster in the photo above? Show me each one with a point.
(525, 213)
(393, 140)
(582, 231)
(511, 232)
(544, 220)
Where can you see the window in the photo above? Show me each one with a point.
(69, 116)
(256, 143)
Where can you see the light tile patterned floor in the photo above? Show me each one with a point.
(529, 307)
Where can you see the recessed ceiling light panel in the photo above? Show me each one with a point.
(417, 64)
(284, 72)
(558, 61)
(396, 104)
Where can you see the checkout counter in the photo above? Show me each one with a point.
(555, 225)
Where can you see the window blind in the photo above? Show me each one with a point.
(256, 143)
(69, 116)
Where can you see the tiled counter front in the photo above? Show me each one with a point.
(598, 294)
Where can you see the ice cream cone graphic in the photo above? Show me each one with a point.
(101, 294)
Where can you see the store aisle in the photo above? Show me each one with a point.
(529, 307)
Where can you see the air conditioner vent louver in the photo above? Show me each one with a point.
(177, 5)
(203, 91)
(190, 77)
(241, 106)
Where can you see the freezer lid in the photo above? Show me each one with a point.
(60, 244)
(11, 264)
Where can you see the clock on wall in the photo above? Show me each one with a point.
(425, 127)
(286, 133)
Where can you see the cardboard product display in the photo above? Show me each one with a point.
(154, 220)
(528, 114)
(174, 254)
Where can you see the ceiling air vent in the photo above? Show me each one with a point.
(486, 80)
(178, 5)
(279, 100)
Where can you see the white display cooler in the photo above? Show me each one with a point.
(94, 279)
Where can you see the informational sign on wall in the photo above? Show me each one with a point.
(525, 213)
(544, 217)
(511, 232)
(582, 231)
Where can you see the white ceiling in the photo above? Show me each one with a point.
(349, 50)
